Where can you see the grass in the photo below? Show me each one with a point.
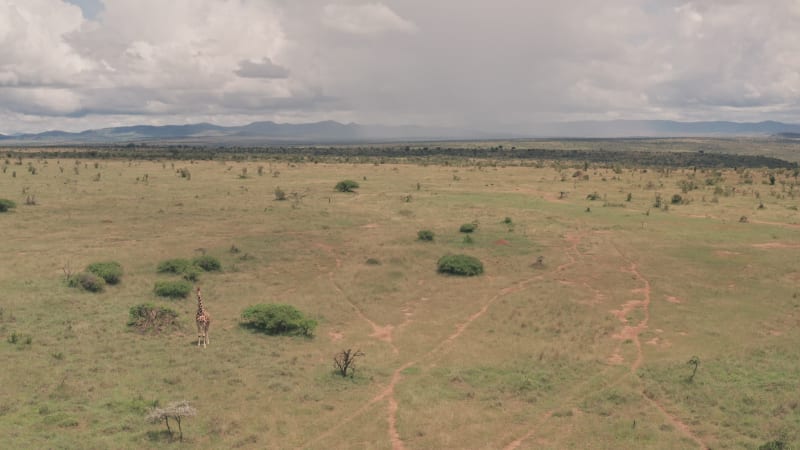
(496, 357)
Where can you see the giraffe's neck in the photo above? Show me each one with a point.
(200, 309)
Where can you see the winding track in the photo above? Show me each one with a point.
(574, 255)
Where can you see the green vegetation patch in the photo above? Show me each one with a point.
(173, 288)
(425, 235)
(463, 265)
(175, 265)
(208, 263)
(149, 318)
(87, 281)
(109, 271)
(278, 319)
(468, 227)
(6, 205)
(346, 186)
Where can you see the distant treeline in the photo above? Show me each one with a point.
(413, 154)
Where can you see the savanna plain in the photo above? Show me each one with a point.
(619, 307)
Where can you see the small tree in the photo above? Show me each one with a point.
(176, 411)
(280, 194)
(346, 186)
(694, 362)
(345, 361)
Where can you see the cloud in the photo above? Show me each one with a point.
(33, 43)
(472, 63)
(370, 18)
(262, 69)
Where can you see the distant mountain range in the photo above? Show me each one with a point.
(259, 133)
(666, 128)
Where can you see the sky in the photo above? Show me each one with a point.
(493, 65)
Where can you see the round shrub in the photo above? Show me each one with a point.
(148, 317)
(425, 235)
(208, 263)
(173, 289)
(5, 205)
(278, 319)
(176, 265)
(468, 227)
(87, 281)
(346, 186)
(110, 271)
(463, 265)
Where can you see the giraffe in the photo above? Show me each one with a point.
(203, 320)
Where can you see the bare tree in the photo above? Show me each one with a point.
(344, 361)
(176, 411)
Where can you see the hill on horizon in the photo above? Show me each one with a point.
(268, 132)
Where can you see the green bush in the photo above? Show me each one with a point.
(177, 265)
(463, 265)
(5, 205)
(277, 319)
(425, 235)
(191, 274)
(110, 271)
(148, 317)
(346, 186)
(87, 281)
(468, 227)
(208, 263)
(173, 289)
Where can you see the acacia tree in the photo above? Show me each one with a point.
(176, 411)
(344, 361)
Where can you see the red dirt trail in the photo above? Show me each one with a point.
(384, 333)
(388, 393)
(631, 332)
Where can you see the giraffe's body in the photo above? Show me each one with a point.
(203, 320)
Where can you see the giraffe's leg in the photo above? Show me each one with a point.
(199, 334)
(208, 327)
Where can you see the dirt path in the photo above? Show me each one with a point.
(632, 332)
(677, 423)
(628, 331)
(388, 393)
(517, 442)
(381, 333)
(775, 245)
(384, 333)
